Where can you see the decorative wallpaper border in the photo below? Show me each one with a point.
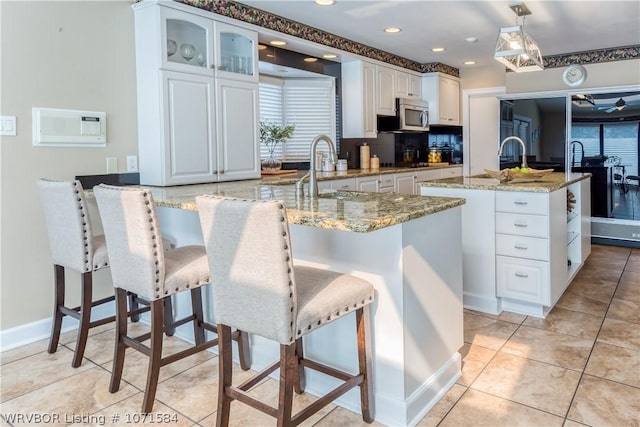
(251, 15)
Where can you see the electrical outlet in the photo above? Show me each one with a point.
(132, 163)
(112, 165)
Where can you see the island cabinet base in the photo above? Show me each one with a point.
(521, 249)
(416, 320)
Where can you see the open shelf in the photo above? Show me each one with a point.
(571, 236)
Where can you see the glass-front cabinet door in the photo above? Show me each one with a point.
(236, 54)
(187, 42)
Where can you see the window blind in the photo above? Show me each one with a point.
(309, 104)
(270, 108)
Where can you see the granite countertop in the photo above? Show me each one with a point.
(339, 210)
(350, 173)
(546, 184)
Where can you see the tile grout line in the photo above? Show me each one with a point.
(582, 374)
(482, 370)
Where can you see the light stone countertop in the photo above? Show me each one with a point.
(546, 184)
(350, 173)
(338, 210)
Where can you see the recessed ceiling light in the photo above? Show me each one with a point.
(471, 39)
(469, 62)
(329, 56)
(261, 47)
(310, 59)
(392, 30)
(278, 43)
(325, 2)
(438, 49)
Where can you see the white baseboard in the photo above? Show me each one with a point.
(41, 329)
(491, 305)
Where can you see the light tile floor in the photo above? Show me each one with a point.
(579, 366)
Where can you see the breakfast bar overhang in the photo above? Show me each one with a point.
(409, 247)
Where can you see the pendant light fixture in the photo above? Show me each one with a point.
(515, 48)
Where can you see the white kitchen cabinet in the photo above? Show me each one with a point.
(236, 53)
(359, 100)
(369, 184)
(186, 41)
(408, 85)
(237, 119)
(387, 183)
(197, 119)
(406, 183)
(521, 249)
(451, 172)
(443, 94)
(189, 148)
(385, 91)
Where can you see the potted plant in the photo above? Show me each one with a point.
(271, 135)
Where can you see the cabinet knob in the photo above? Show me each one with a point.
(221, 170)
(215, 171)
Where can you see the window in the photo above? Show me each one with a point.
(609, 139)
(309, 104)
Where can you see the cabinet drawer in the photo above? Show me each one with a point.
(522, 225)
(343, 184)
(521, 202)
(451, 172)
(522, 247)
(523, 280)
(387, 181)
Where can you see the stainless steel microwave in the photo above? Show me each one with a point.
(412, 115)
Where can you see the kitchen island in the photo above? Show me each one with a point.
(409, 247)
(523, 242)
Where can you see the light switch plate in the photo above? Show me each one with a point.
(7, 125)
(132, 163)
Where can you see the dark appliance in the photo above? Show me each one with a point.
(404, 149)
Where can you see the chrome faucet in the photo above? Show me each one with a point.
(313, 182)
(524, 149)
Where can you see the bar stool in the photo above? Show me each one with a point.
(74, 246)
(257, 289)
(140, 265)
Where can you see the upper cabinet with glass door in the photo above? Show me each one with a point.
(236, 52)
(187, 42)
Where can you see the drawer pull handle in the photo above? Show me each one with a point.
(519, 202)
(517, 224)
(345, 186)
(522, 275)
(523, 247)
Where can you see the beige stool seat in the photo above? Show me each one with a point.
(256, 288)
(73, 246)
(140, 264)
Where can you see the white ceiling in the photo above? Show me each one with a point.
(559, 27)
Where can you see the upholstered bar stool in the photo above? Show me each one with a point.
(73, 246)
(140, 265)
(257, 289)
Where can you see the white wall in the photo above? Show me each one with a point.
(75, 55)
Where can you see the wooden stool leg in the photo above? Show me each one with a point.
(85, 318)
(288, 375)
(133, 305)
(364, 360)
(225, 362)
(244, 352)
(196, 306)
(300, 379)
(168, 317)
(57, 313)
(120, 347)
(155, 357)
